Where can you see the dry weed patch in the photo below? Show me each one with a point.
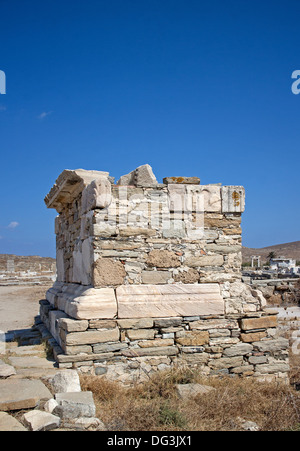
(155, 406)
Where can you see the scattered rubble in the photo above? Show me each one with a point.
(51, 398)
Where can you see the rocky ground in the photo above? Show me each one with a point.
(34, 393)
(37, 396)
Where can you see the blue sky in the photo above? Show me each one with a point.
(194, 88)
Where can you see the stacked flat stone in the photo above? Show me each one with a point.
(149, 276)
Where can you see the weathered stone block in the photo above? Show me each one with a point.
(96, 195)
(205, 198)
(226, 362)
(221, 222)
(80, 349)
(167, 322)
(139, 352)
(9, 424)
(141, 323)
(72, 325)
(17, 394)
(90, 303)
(275, 367)
(275, 345)
(75, 405)
(204, 260)
(193, 338)
(140, 334)
(217, 323)
(158, 342)
(163, 259)
(223, 248)
(194, 359)
(109, 347)
(182, 180)
(6, 370)
(255, 336)
(158, 301)
(37, 420)
(92, 337)
(189, 276)
(233, 199)
(135, 231)
(108, 272)
(102, 324)
(65, 381)
(263, 322)
(237, 350)
(142, 176)
(156, 277)
(256, 360)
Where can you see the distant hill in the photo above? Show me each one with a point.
(288, 250)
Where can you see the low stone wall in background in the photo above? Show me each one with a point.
(26, 270)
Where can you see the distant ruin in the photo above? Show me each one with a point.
(26, 270)
(149, 276)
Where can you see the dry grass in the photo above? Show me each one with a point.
(155, 406)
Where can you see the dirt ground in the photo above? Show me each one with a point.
(19, 305)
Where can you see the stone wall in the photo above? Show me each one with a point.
(128, 350)
(149, 276)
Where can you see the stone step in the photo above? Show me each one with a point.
(9, 424)
(16, 394)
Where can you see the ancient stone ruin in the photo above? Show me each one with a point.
(24, 270)
(149, 277)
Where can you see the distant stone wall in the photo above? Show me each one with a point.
(19, 270)
(152, 272)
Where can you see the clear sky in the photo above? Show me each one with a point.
(192, 87)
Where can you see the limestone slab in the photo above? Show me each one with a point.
(31, 362)
(69, 184)
(9, 424)
(65, 381)
(233, 199)
(38, 420)
(90, 303)
(6, 370)
(141, 176)
(182, 180)
(75, 405)
(16, 394)
(138, 301)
